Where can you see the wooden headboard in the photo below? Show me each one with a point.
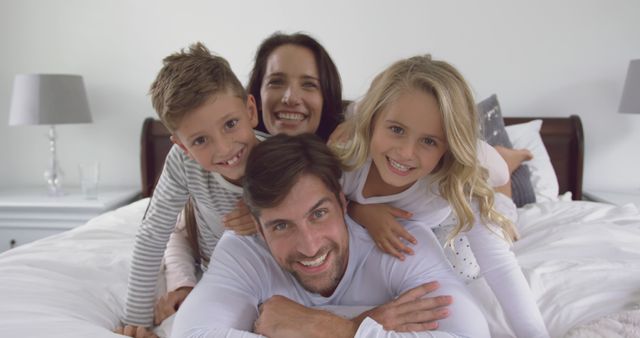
(562, 136)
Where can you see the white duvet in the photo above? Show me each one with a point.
(582, 261)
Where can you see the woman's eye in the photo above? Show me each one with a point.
(231, 123)
(396, 130)
(275, 82)
(199, 140)
(310, 85)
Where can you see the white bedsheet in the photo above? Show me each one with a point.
(582, 260)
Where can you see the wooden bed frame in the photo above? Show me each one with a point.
(562, 136)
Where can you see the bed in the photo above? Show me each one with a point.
(582, 259)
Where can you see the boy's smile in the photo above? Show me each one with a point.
(219, 134)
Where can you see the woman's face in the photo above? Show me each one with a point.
(290, 92)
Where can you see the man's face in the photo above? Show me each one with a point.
(307, 235)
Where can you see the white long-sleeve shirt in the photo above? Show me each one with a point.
(243, 274)
(497, 262)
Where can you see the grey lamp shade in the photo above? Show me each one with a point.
(630, 102)
(49, 99)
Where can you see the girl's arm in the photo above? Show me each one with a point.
(383, 227)
(500, 268)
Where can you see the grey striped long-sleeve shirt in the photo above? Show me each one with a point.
(214, 197)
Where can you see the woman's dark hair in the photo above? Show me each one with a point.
(330, 83)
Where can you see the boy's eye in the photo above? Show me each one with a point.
(317, 214)
(199, 140)
(396, 130)
(231, 123)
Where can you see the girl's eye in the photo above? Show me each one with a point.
(317, 214)
(429, 141)
(396, 130)
(199, 140)
(231, 124)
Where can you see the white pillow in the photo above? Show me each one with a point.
(543, 177)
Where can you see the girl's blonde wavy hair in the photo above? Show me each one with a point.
(459, 176)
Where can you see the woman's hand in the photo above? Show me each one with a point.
(380, 221)
(169, 303)
(240, 220)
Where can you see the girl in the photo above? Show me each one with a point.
(415, 148)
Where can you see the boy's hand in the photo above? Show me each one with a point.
(384, 229)
(240, 220)
(169, 303)
(411, 311)
(135, 331)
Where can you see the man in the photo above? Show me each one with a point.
(308, 258)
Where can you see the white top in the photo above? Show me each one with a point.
(214, 197)
(243, 274)
(497, 262)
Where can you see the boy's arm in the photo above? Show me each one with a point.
(168, 199)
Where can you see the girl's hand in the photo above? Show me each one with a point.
(240, 220)
(380, 221)
(169, 303)
(343, 133)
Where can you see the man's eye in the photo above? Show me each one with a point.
(280, 226)
(199, 140)
(319, 213)
(396, 130)
(231, 124)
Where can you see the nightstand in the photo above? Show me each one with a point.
(614, 197)
(28, 214)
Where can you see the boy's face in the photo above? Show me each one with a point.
(218, 134)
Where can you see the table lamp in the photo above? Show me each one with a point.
(630, 102)
(49, 99)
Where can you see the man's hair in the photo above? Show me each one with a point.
(330, 84)
(275, 165)
(187, 80)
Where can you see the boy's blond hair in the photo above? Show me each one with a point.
(459, 175)
(189, 78)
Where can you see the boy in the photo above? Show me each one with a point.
(211, 120)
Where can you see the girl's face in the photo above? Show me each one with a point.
(408, 139)
(291, 93)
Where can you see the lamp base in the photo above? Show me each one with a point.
(53, 175)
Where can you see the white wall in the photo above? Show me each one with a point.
(542, 58)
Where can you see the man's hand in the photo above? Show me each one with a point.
(169, 304)
(240, 220)
(410, 312)
(282, 318)
(135, 332)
